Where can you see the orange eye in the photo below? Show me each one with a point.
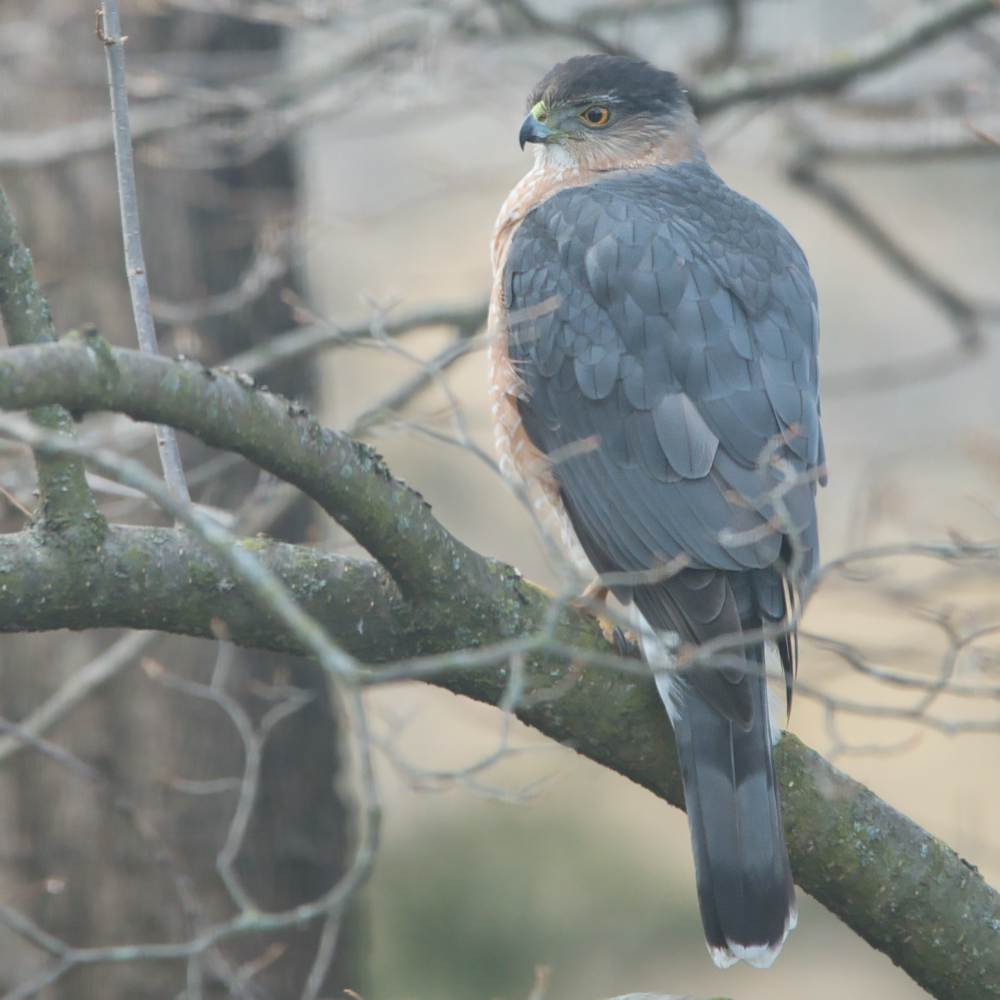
(595, 116)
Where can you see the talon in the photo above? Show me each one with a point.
(608, 629)
(594, 598)
(625, 641)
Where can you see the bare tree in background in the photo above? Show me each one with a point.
(214, 779)
(167, 751)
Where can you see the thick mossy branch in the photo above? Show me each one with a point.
(905, 892)
(66, 503)
(901, 889)
(348, 479)
(164, 578)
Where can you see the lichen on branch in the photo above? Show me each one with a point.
(225, 409)
(66, 504)
(897, 886)
(901, 889)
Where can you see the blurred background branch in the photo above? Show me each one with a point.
(109, 34)
(317, 181)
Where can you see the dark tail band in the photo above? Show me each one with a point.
(745, 887)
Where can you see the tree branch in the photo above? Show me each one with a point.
(897, 886)
(309, 339)
(268, 590)
(964, 316)
(100, 670)
(348, 479)
(901, 889)
(918, 28)
(576, 29)
(66, 503)
(852, 135)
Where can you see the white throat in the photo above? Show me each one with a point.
(554, 156)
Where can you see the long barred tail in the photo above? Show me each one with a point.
(745, 887)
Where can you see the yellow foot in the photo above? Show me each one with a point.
(592, 601)
(595, 592)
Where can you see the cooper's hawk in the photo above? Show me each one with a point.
(654, 372)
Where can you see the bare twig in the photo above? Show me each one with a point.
(576, 30)
(276, 598)
(268, 588)
(109, 33)
(305, 340)
(840, 135)
(64, 142)
(964, 316)
(123, 805)
(409, 390)
(325, 952)
(66, 501)
(80, 686)
(15, 503)
(919, 27)
(253, 740)
(268, 265)
(331, 903)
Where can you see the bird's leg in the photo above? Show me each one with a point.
(593, 600)
(594, 593)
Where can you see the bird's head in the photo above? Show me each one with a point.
(609, 112)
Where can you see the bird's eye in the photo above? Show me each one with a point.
(595, 116)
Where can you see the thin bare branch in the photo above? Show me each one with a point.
(78, 688)
(577, 30)
(408, 391)
(110, 34)
(302, 341)
(270, 591)
(840, 135)
(918, 28)
(964, 316)
(60, 143)
(325, 952)
(269, 263)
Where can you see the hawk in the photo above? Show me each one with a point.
(653, 361)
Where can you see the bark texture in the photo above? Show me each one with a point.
(901, 889)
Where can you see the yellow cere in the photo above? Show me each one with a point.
(539, 112)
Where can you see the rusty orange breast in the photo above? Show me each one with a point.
(518, 456)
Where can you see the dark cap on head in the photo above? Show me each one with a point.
(631, 84)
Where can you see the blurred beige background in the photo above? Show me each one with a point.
(585, 873)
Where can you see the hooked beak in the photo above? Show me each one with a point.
(532, 130)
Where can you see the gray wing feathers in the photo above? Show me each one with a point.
(681, 336)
